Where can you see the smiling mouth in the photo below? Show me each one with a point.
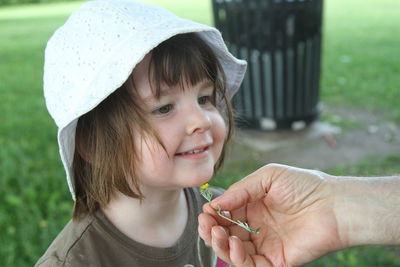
(191, 152)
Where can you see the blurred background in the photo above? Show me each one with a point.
(354, 130)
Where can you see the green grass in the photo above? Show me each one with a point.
(361, 51)
(35, 202)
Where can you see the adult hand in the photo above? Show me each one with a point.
(292, 207)
(302, 215)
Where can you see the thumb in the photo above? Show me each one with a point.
(251, 188)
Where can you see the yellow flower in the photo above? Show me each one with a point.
(204, 186)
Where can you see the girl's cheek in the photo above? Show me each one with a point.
(221, 130)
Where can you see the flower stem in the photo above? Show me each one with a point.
(207, 194)
(238, 222)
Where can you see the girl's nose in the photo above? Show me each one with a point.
(198, 121)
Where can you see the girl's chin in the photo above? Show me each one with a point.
(199, 182)
(202, 182)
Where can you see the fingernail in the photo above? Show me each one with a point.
(226, 213)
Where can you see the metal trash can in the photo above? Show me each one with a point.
(281, 40)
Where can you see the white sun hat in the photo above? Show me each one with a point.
(95, 51)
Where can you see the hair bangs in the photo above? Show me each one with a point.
(184, 61)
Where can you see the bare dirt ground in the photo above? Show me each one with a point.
(321, 145)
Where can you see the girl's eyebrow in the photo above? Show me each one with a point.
(150, 97)
(165, 91)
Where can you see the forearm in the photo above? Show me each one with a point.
(368, 210)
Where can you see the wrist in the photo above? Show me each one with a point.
(367, 210)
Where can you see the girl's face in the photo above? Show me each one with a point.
(190, 127)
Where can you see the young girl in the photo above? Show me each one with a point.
(141, 99)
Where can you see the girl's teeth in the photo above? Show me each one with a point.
(191, 152)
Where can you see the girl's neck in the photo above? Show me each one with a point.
(158, 220)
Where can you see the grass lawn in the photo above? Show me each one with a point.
(360, 69)
(361, 55)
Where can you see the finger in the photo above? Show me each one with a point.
(240, 256)
(251, 188)
(221, 221)
(220, 243)
(206, 223)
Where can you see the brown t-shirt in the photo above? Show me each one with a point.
(95, 241)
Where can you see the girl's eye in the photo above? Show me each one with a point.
(204, 99)
(163, 110)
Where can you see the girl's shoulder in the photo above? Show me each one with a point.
(62, 249)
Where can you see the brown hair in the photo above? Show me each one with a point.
(105, 153)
